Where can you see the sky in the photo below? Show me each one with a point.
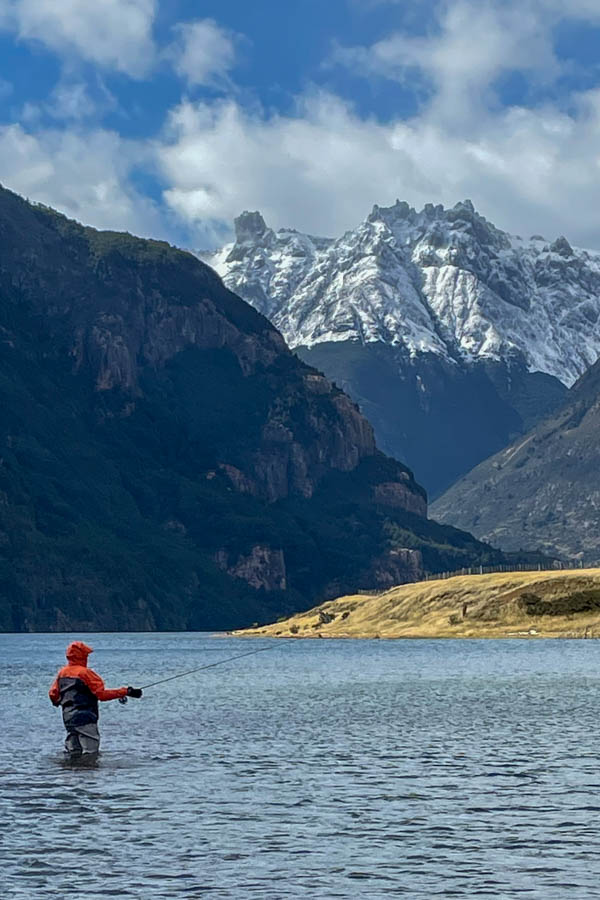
(167, 118)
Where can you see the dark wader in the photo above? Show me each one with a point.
(82, 739)
(80, 715)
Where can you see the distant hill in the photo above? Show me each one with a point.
(543, 490)
(453, 336)
(165, 461)
(508, 604)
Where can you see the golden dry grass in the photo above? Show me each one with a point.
(435, 609)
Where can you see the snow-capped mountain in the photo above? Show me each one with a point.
(476, 327)
(444, 281)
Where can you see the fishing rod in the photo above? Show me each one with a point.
(209, 666)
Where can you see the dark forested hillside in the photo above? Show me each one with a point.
(165, 461)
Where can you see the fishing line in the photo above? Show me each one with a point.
(211, 665)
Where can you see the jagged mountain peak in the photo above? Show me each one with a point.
(440, 280)
(400, 210)
(461, 213)
(249, 226)
(562, 247)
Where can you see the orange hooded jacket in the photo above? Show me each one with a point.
(76, 668)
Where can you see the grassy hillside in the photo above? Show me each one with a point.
(507, 604)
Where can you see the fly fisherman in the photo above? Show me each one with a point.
(77, 689)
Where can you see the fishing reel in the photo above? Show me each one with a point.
(123, 700)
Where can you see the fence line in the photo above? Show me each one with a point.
(557, 566)
(490, 570)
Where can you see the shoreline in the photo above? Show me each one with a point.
(507, 605)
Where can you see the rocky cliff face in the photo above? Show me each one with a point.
(542, 491)
(147, 303)
(452, 335)
(165, 461)
(396, 495)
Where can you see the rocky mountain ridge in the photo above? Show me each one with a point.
(165, 460)
(452, 335)
(543, 490)
(441, 281)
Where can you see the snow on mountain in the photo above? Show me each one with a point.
(441, 281)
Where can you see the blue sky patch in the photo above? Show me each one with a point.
(170, 118)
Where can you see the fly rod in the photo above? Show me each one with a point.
(208, 666)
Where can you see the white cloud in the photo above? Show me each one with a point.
(203, 53)
(587, 10)
(303, 170)
(322, 169)
(528, 168)
(476, 42)
(86, 175)
(70, 100)
(576, 9)
(113, 34)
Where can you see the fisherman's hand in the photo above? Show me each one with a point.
(134, 692)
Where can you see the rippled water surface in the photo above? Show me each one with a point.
(316, 769)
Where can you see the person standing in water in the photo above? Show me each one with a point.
(77, 690)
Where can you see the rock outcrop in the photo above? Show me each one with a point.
(399, 496)
(263, 568)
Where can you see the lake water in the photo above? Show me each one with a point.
(317, 769)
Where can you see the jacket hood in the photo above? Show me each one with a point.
(78, 652)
